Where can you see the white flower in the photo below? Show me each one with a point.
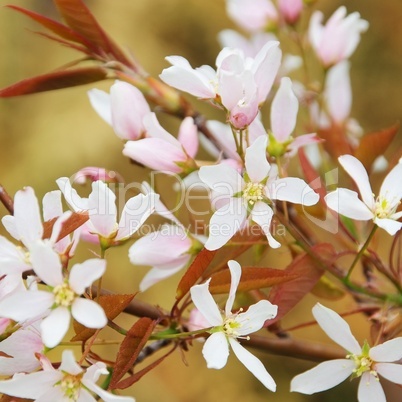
(69, 383)
(237, 196)
(382, 210)
(364, 362)
(62, 297)
(228, 327)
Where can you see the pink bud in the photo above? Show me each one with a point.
(290, 10)
(93, 173)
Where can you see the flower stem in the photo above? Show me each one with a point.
(359, 254)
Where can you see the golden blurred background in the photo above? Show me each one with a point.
(48, 135)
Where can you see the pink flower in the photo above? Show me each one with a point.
(290, 10)
(338, 39)
(163, 152)
(123, 109)
(252, 15)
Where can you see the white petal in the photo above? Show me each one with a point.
(46, 263)
(355, 169)
(392, 372)
(22, 343)
(322, 377)
(21, 306)
(105, 396)
(8, 222)
(391, 188)
(68, 363)
(100, 101)
(222, 179)
(102, 209)
(75, 202)
(51, 203)
(389, 351)
(284, 110)
(225, 222)
(370, 389)
(347, 203)
(262, 215)
(216, 350)
(27, 216)
(257, 166)
(205, 303)
(256, 315)
(10, 366)
(155, 130)
(55, 326)
(336, 328)
(88, 313)
(294, 190)
(235, 274)
(83, 275)
(253, 364)
(390, 225)
(30, 385)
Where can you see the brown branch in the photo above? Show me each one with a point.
(6, 200)
(299, 349)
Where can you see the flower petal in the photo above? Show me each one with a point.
(392, 372)
(205, 303)
(355, 169)
(257, 165)
(389, 351)
(235, 274)
(105, 396)
(256, 315)
(88, 313)
(83, 275)
(216, 350)
(188, 136)
(55, 326)
(68, 363)
(294, 190)
(222, 179)
(391, 188)
(322, 377)
(253, 364)
(262, 214)
(100, 101)
(346, 203)
(46, 263)
(389, 225)
(284, 110)
(225, 222)
(370, 389)
(336, 328)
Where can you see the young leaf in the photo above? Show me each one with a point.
(130, 348)
(308, 272)
(251, 278)
(55, 80)
(113, 306)
(336, 143)
(194, 272)
(375, 144)
(72, 223)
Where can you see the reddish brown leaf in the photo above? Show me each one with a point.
(308, 272)
(72, 223)
(130, 348)
(336, 142)
(113, 306)
(375, 144)
(194, 272)
(54, 26)
(127, 382)
(55, 80)
(326, 289)
(7, 398)
(251, 278)
(81, 20)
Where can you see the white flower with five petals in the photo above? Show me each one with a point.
(228, 327)
(363, 362)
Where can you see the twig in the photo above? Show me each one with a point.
(6, 200)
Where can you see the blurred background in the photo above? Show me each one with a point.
(54, 134)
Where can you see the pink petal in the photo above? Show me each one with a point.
(336, 328)
(225, 222)
(322, 377)
(83, 275)
(155, 130)
(284, 110)
(355, 169)
(205, 303)
(253, 364)
(255, 316)
(346, 203)
(257, 165)
(235, 274)
(88, 313)
(370, 389)
(188, 136)
(55, 326)
(216, 351)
